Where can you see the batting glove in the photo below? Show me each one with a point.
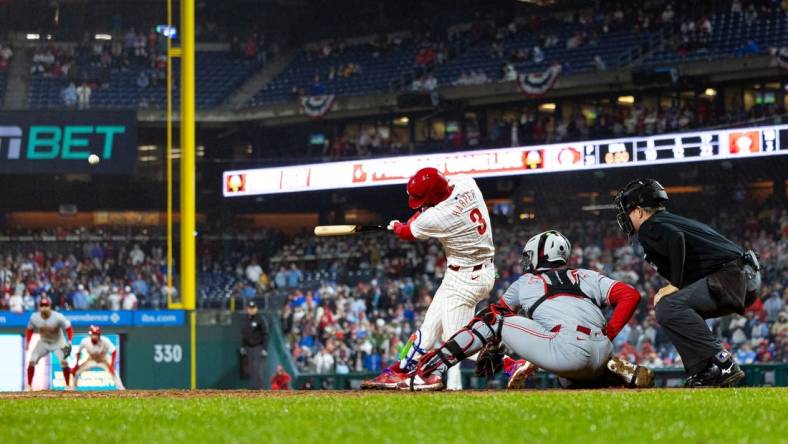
(66, 350)
(393, 225)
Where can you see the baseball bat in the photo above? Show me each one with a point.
(345, 230)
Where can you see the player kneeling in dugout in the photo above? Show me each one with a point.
(562, 330)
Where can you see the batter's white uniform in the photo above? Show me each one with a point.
(98, 355)
(51, 337)
(461, 223)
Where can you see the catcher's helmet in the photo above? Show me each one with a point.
(427, 187)
(638, 193)
(549, 249)
(94, 330)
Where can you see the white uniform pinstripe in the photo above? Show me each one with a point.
(461, 223)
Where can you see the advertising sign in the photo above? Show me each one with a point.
(41, 142)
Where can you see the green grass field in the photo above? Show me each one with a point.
(618, 416)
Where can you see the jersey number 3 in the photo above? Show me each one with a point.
(476, 216)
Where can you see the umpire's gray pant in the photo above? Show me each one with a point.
(568, 353)
(256, 367)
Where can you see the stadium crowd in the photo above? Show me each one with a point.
(78, 274)
(352, 302)
(335, 327)
(530, 126)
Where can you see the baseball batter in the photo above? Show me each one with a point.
(453, 211)
(563, 330)
(100, 353)
(50, 326)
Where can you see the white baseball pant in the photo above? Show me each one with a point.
(105, 365)
(42, 348)
(453, 306)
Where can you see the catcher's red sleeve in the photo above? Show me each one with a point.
(114, 356)
(70, 333)
(624, 300)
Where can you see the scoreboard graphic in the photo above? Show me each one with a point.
(589, 155)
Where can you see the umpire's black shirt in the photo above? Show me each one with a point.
(254, 332)
(684, 250)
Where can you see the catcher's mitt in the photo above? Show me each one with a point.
(490, 360)
(66, 350)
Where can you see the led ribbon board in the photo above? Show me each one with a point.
(589, 155)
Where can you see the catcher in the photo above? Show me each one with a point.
(563, 329)
(50, 325)
(101, 353)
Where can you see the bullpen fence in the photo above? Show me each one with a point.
(775, 375)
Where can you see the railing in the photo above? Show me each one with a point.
(775, 375)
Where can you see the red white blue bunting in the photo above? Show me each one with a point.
(781, 56)
(537, 84)
(318, 106)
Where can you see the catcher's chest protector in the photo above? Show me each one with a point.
(561, 284)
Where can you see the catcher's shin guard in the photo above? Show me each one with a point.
(483, 328)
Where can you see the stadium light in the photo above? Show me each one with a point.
(626, 100)
(711, 92)
(102, 37)
(33, 36)
(547, 107)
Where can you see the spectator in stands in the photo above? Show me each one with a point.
(294, 276)
(5, 56)
(129, 299)
(69, 95)
(254, 271)
(250, 48)
(462, 80)
(599, 64)
(537, 56)
(80, 298)
(136, 256)
(773, 305)
(749, 47)
(114, 299)
(751, 15)
(83, 96)
(508, 73)
(142, 80)
(316, 88)
(16, 303)
(281, 379)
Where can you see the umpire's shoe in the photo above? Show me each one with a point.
(722, 371)
(633, 375)
(717, 375)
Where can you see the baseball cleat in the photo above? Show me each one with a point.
(635, 376)
(518, 372)
(386, 380)
(715, 376)
(418, 383)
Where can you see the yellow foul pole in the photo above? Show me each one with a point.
(188, 187)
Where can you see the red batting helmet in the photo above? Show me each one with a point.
(94, 330)
(427, 187)
(44, 302)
